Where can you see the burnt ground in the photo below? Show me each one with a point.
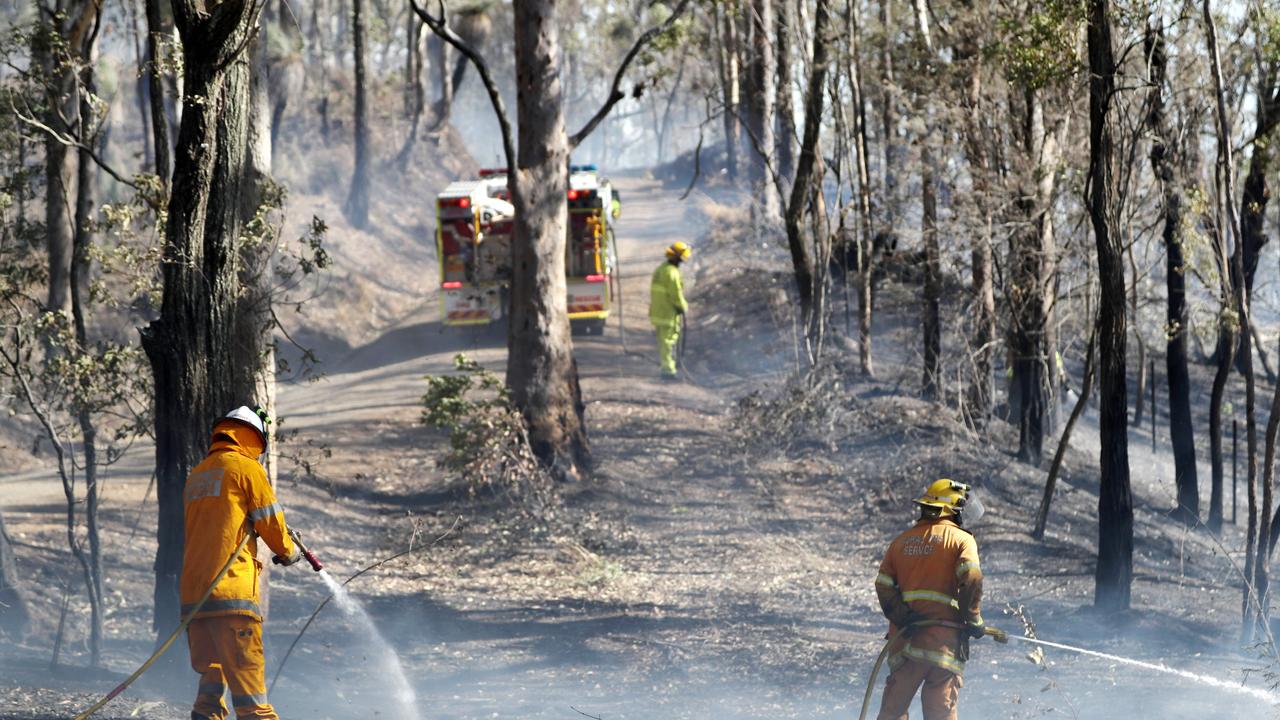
(720, 564)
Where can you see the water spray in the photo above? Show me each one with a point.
(1209, 680)
(1003, 638)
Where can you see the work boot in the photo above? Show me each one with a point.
(670, 377)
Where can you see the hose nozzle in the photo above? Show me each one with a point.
(306, 553)
(998, 635)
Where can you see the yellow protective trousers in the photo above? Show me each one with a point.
(668, 337)
(227, 652)
(940, 697)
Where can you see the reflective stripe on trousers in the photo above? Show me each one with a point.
(227, 652)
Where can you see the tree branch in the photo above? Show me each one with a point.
(615, 90)
(73, 142)
(440, 26)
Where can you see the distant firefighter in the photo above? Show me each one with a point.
(930, 587)
(667, 305)
(226, 496)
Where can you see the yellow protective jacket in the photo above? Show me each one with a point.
(932, 571)
(226, 496)
(666, 296)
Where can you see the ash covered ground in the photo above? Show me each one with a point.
(720, 565)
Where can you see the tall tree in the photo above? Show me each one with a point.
(969, 59)
(191, 346)
(542, 373)
(1114, 573)
(853, 20)
(1168, 162)
(357, 206)
(155, 93)
(761, 73)
(806, 175)
(15, 616)
(784, 107)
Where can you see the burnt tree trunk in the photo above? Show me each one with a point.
(889, 119)
(760, 103)
(15, 616)
(785, 127)
(191, 345)
(541, 370)
(802, 265)
(155, 94)
(981, 395)
(931, 321)
(727, 26)
(60, 110)
(82, 241)
(865, 235)
(1114, 574)
(356, 208)
(254, 319)
(1168, 163)
(1031, 293)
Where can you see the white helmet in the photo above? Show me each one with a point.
(255, 417)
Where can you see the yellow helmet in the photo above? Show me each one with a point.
(947, 496)
(679, 250)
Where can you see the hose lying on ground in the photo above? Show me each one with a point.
(164, 647)
(323, 603)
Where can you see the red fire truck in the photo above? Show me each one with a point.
(473, 243)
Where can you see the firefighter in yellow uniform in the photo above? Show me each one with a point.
(667, 304)
(930, 586)
(226, 496)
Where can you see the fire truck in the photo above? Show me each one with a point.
(473, 243)
(474, 225)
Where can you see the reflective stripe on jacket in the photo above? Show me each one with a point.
(666, 296)
(932, 570)
(226, 496)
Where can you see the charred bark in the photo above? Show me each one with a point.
(760, 104)
(541, 369)
(802, 264)
(191, 346)
(785, 127)
(1168, 165)
(1114, 574)
(356, 208)
(155, 93)
(15, 616)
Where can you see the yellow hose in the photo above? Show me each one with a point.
(875, 672)
(174, 636)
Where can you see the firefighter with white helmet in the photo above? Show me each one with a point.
(667, 305)
(930, 589)
(226, 496)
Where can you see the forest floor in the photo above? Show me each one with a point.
(719, 565)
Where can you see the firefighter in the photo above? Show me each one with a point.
(667, 305)
(226, 496)
(930, 587)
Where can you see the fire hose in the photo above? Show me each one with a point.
(164, 647)
(186, 620)
(997, 634)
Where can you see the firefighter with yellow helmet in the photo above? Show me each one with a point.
(930, 588)
(667, 305)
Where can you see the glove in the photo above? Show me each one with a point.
(976, 631)
(287, 561)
